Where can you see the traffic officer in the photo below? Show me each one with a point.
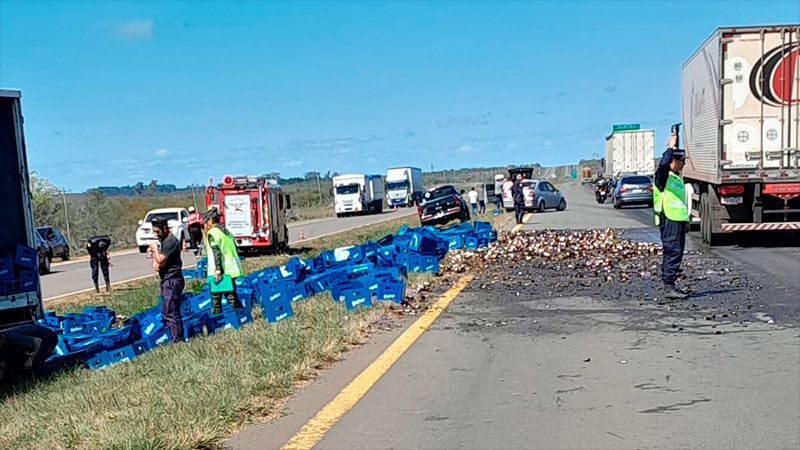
(223, 259)
(97, 247)
(671, 214)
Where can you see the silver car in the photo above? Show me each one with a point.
(632, 190)
(539, 195)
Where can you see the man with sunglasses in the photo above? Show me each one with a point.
(672, 214)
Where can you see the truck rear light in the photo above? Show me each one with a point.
(458, 202)
(733, 189)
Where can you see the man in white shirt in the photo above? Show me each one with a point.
(473, 201)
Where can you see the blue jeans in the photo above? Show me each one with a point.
(171, 292)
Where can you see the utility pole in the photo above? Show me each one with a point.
(66, 213)
(319, 189)
(194, 197)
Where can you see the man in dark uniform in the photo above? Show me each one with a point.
(97, 247)
(167, 263)
(672, 214)
(518, 194)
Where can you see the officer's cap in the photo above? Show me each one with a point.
(211, 214)
(679, 153)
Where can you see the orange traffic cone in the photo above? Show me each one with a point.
(302, 235)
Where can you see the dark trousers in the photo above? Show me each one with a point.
(233, 300)
(519, 211)
(481, 206)
(196, 235)
(171, 292)
(498, 200)
(673, 239)
(103, 264)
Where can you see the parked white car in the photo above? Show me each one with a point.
(177, 218)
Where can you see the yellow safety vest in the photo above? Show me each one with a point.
(671, 202)
(231, 265)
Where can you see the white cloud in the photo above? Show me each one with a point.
(294, 163)
(136, 30)
(162, 152)
(465, 149)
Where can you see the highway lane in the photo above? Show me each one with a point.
(519, 364)
(75, 276)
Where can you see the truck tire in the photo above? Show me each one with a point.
(706, 223)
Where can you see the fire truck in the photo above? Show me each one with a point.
(253, 209)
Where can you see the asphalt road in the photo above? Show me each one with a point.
(514, 365)
(75, 276)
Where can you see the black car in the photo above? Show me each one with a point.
(45, 254)
(441, 205)
(58, 243)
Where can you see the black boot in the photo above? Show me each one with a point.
(96, 287)
(671, 292)
(108, 286)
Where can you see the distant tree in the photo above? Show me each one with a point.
(311, 175)
(152, 188)
(138, 188)
(48, 208)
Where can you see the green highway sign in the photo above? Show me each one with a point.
(573, 174)
(626, 127)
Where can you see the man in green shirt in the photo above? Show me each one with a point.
(223, 260)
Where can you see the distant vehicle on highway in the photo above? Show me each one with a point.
(540, 195)
(58, 242)
(441, 205)
(177, 219)
(632, 190)
(44, 253)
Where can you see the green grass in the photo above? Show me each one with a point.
(194, 394)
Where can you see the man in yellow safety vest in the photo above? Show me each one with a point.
(672, 214)
(223, 259)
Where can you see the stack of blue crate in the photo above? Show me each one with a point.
(18, 271)
(356, 276)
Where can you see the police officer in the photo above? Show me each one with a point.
(223, 259)
(671, 214)
(518, 194)
(97, 247)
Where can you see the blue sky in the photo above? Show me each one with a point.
(117, 92)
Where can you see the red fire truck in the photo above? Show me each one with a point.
(253, 209)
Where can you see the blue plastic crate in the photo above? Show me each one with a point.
(120, 336)
(200, 303)
(411, 261)
(51, 319)
(483, 242)
(275, 312)
(98, 360)
(391, 290)
(471, 242)
(6, 269)
(246, 296)
(194, 327)
(372, 284)
(11, 287)
(151, 324)
(353, 294)
(244, 315)
(62, 348)
(492, 236)
(272, 292)
(121, 354)
(101, 313)
(26, 257)
(93, 327)
(70, 325)
(296, 292)
(455, 241)
(148, 343)
(482, 226)
(228, 319)
(429, 264)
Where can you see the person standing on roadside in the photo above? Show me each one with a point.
(97, 247)
(195, 226)
(671, 214)
(473, 200)
(167, 263)
(481, 199)
(518, 195)
(223, 259)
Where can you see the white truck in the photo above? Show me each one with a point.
(629, 150)
(357, 194)
(741, 115)
(400, 181)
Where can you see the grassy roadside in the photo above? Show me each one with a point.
(192, 395)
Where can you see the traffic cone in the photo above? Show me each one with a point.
(302, 235)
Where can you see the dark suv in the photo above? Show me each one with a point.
(58, 243)
(441, 205)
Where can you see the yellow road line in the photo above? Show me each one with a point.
(525, 220)
(313, 431)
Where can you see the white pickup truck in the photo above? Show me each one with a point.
(177, 218)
